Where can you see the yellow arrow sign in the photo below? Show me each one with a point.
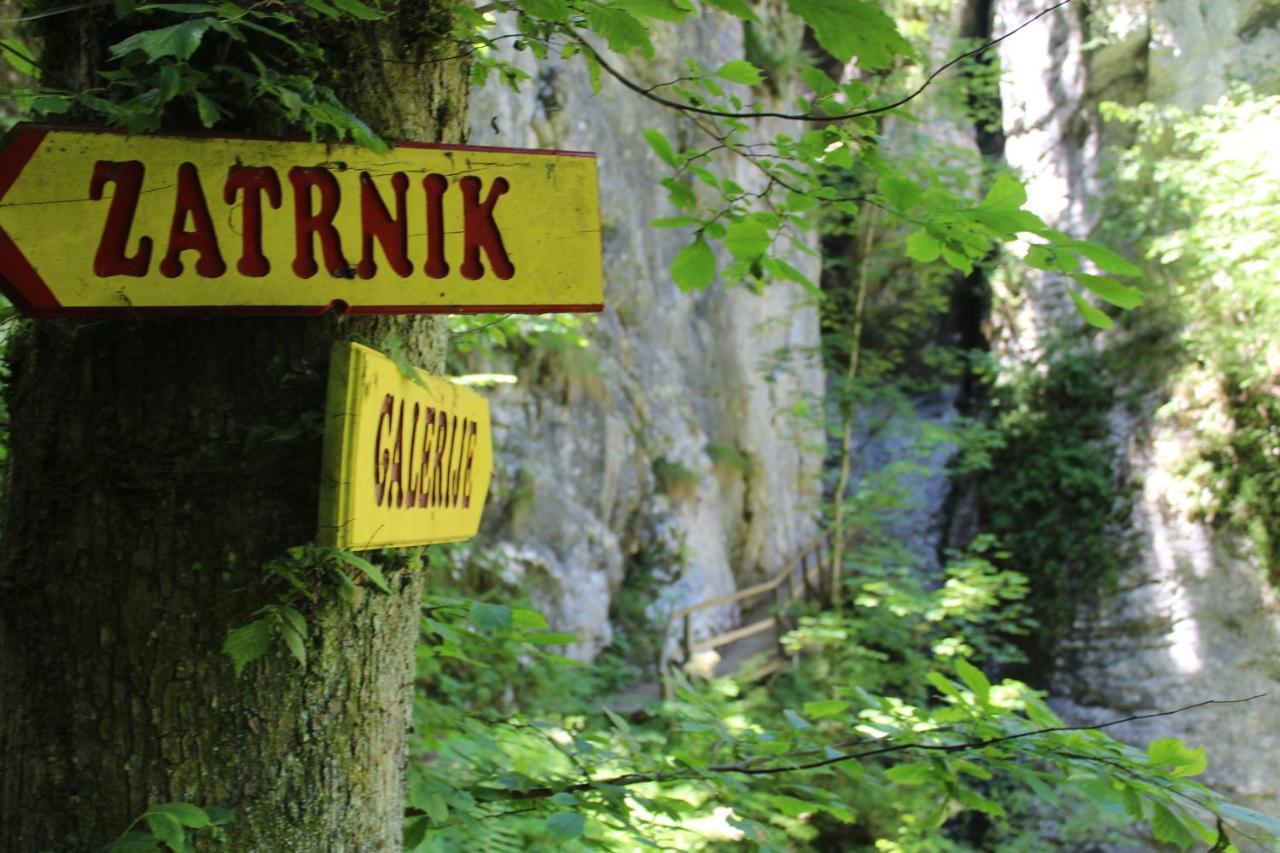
(408, 458)
(94, 221)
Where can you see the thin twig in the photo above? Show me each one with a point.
(747, 769)
(809, 116)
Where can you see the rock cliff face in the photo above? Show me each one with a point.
(1192, 618)
(677, 444)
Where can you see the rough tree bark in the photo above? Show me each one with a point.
(144, 497)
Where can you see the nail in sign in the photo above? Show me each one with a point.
(94, 222)
(407, 458)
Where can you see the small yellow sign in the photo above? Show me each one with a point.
(407, 458)
(95, 222)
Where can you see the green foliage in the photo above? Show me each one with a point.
(854, 746)
(216, 64)
(1199, 193)
(528, 339)
(675, 479)
(1052, 495)
(729, 458)
(177, 827)
(303, 571)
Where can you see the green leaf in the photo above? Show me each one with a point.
(360, 564)
(741, 8)
(661, 146)
(694, 267)
(346, 589)
(944, 685)
(1110, 290)
(219, 816)
(1007, 192)
(436, 808)
(923, 247)
(358, 10)
(134, 842)
(1232, 811)
(564, 826)
(1042, 790)
(294, 641)
(899, 191)
(849, 28)
(913, 773)
(415, 831)
(550, 10)
(747, 239)
(622, 30)
(739, 71)
(167, 828)
(957, 260)
(1106, 260)
(208, 109)
(50, 105)
(491, 618)
(663, 10)
(783, 271)
(826, 708)
(1172, 753)
(184, 813)
(675, 222)
(1091, 315)
(975, 680)
(180, 40)
(525, 619)
(796, 721)
(1165, 826)
(791, 806)
(248, 643)
(17, 55)
(557, 639)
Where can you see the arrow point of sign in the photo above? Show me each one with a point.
(18, 279)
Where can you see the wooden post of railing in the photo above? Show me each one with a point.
(833, 574)
(780, 618)
(687, 639)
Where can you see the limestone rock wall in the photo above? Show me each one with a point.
(1193, 618)
(582, 444)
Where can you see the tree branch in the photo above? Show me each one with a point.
(747, 769)
(809, 116)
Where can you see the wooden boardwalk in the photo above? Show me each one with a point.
(767, 614)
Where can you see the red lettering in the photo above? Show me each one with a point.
(437, 470)
(110, 259)
(411, 498)
(436, 266)
(424, 470)
(455, 462)
(397, 458)
(202, 238)
(253, 181)
(481, 232)
(375, 221)
(381, 458)
(466, 477)
(308, 224)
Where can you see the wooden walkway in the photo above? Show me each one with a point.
(767, 614)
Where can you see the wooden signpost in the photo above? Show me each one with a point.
(407, 458)
(95, 222)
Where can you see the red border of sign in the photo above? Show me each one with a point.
(23, 286)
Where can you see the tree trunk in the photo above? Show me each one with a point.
(155, 469)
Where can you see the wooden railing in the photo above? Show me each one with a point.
(808, 574)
